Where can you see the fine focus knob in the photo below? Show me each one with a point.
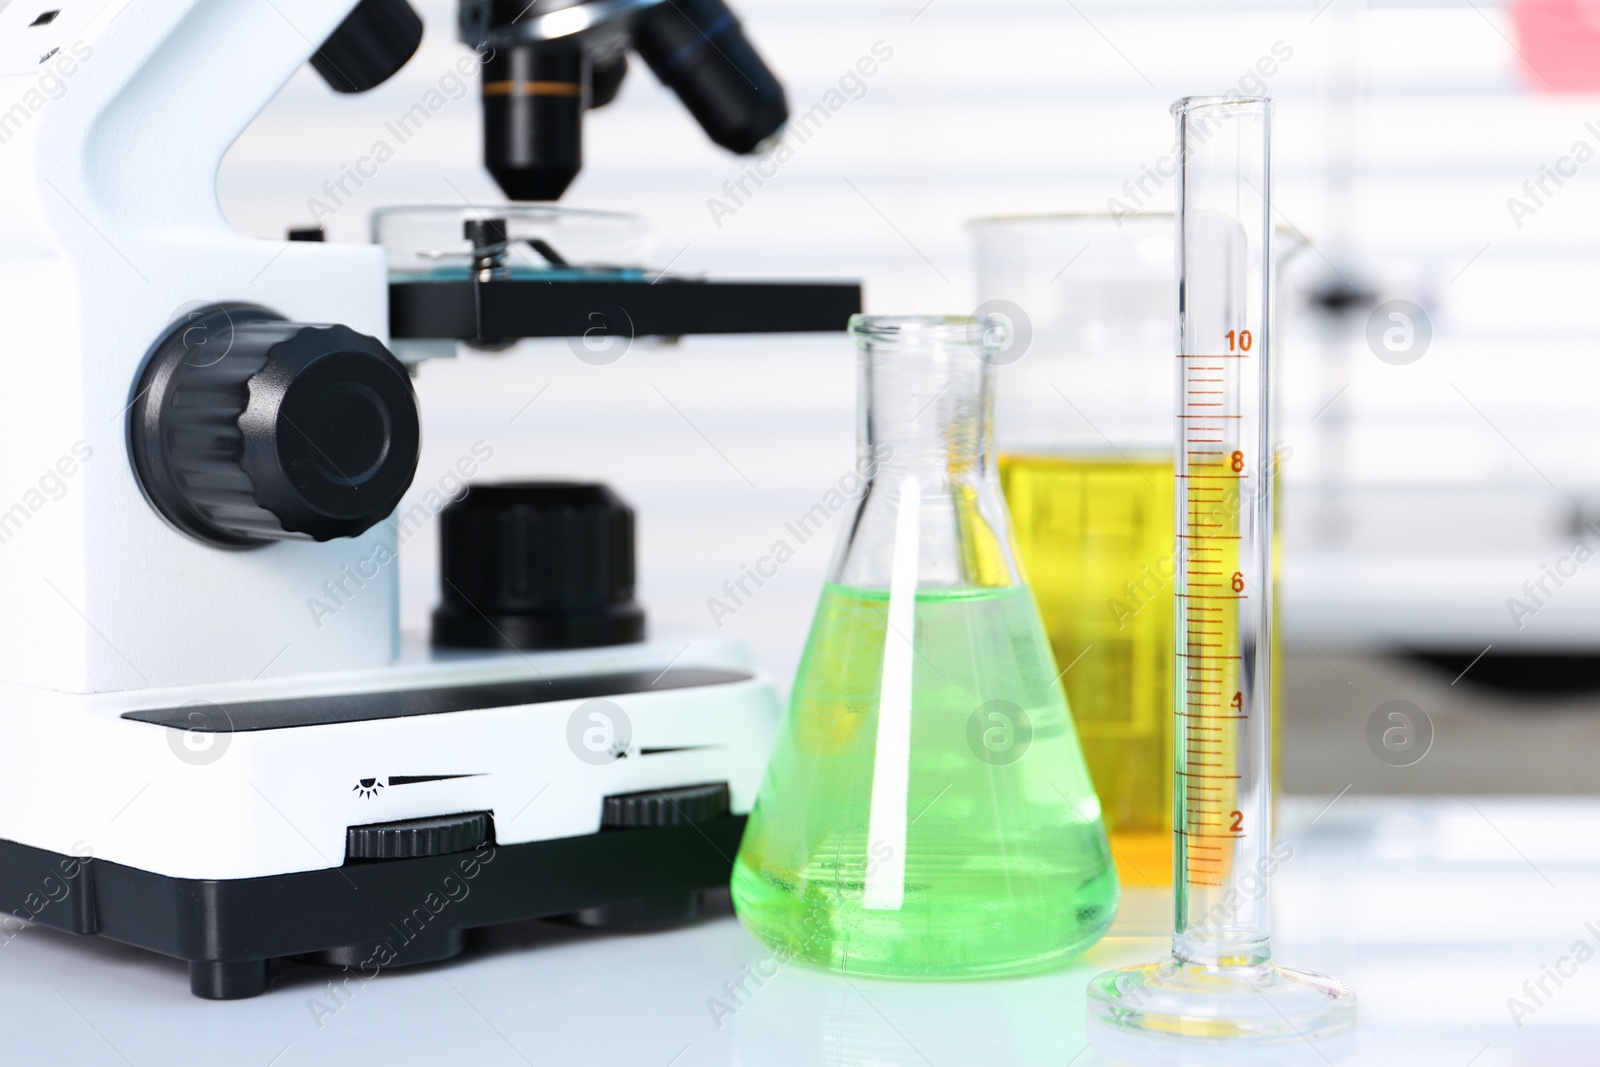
(247, 429)
(537, 565)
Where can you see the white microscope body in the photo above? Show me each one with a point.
(265, 730)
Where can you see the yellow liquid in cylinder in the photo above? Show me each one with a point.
(1096, 539)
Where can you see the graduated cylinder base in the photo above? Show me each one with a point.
(1257, 1002)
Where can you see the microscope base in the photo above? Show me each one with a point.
(367, 917)
(366, 820)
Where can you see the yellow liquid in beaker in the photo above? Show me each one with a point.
(1096, 538)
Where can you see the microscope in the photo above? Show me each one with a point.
(218, 746)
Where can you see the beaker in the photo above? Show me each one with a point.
(1085, 434)
(926, 812)
(1084, 426)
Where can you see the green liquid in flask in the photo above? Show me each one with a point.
(1006, 864)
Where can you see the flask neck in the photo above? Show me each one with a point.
(927, 408)
(925, 434)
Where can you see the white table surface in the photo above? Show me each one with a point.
(1435, 911)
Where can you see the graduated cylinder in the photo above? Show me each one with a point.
(1224, 465)
(1220, 982)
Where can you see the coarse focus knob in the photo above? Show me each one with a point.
(245, 428)
(537, 565)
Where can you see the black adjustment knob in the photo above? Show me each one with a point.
(370, 46)
(537, 565)
(437, 836)
(665, 807)
(246, 428)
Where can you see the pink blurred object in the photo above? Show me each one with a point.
(1559, 41)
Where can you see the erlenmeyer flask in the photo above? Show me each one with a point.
(926, 812)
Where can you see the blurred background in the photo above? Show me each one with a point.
(1440, 153)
